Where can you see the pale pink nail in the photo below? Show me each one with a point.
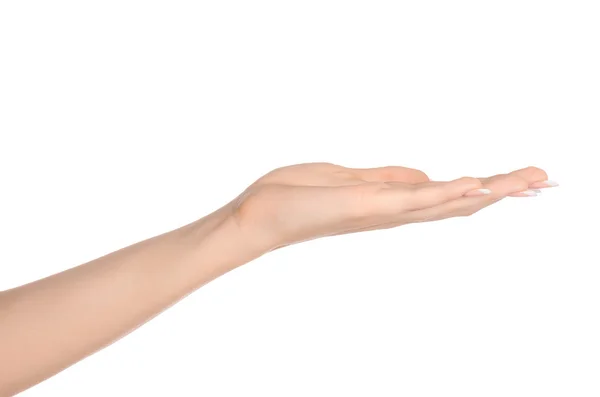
(478, 192)
(529, 193)
(543, 184)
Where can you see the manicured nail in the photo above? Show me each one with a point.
(538, 191)
(478, 192)
(544, 184)
(529, 193)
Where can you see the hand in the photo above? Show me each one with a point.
(87, 307)
(307, 201)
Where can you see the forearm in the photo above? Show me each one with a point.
(52, 323)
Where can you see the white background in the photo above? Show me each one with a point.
(120, 120)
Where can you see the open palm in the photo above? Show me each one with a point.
(308, 201)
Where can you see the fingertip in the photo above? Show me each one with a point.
(531, 174)
(544, 184)
(526, 193)
(478, 193)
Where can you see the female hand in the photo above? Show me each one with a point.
(307, 201)
(89, 306)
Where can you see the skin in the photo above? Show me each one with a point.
(52, 323)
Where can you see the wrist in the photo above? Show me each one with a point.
(217, 240)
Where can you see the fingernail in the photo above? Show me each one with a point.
(538, 191)
(478, 192)
(530, 193)
(550, 183)
(544, 184)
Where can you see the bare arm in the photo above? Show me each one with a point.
(47, 325)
